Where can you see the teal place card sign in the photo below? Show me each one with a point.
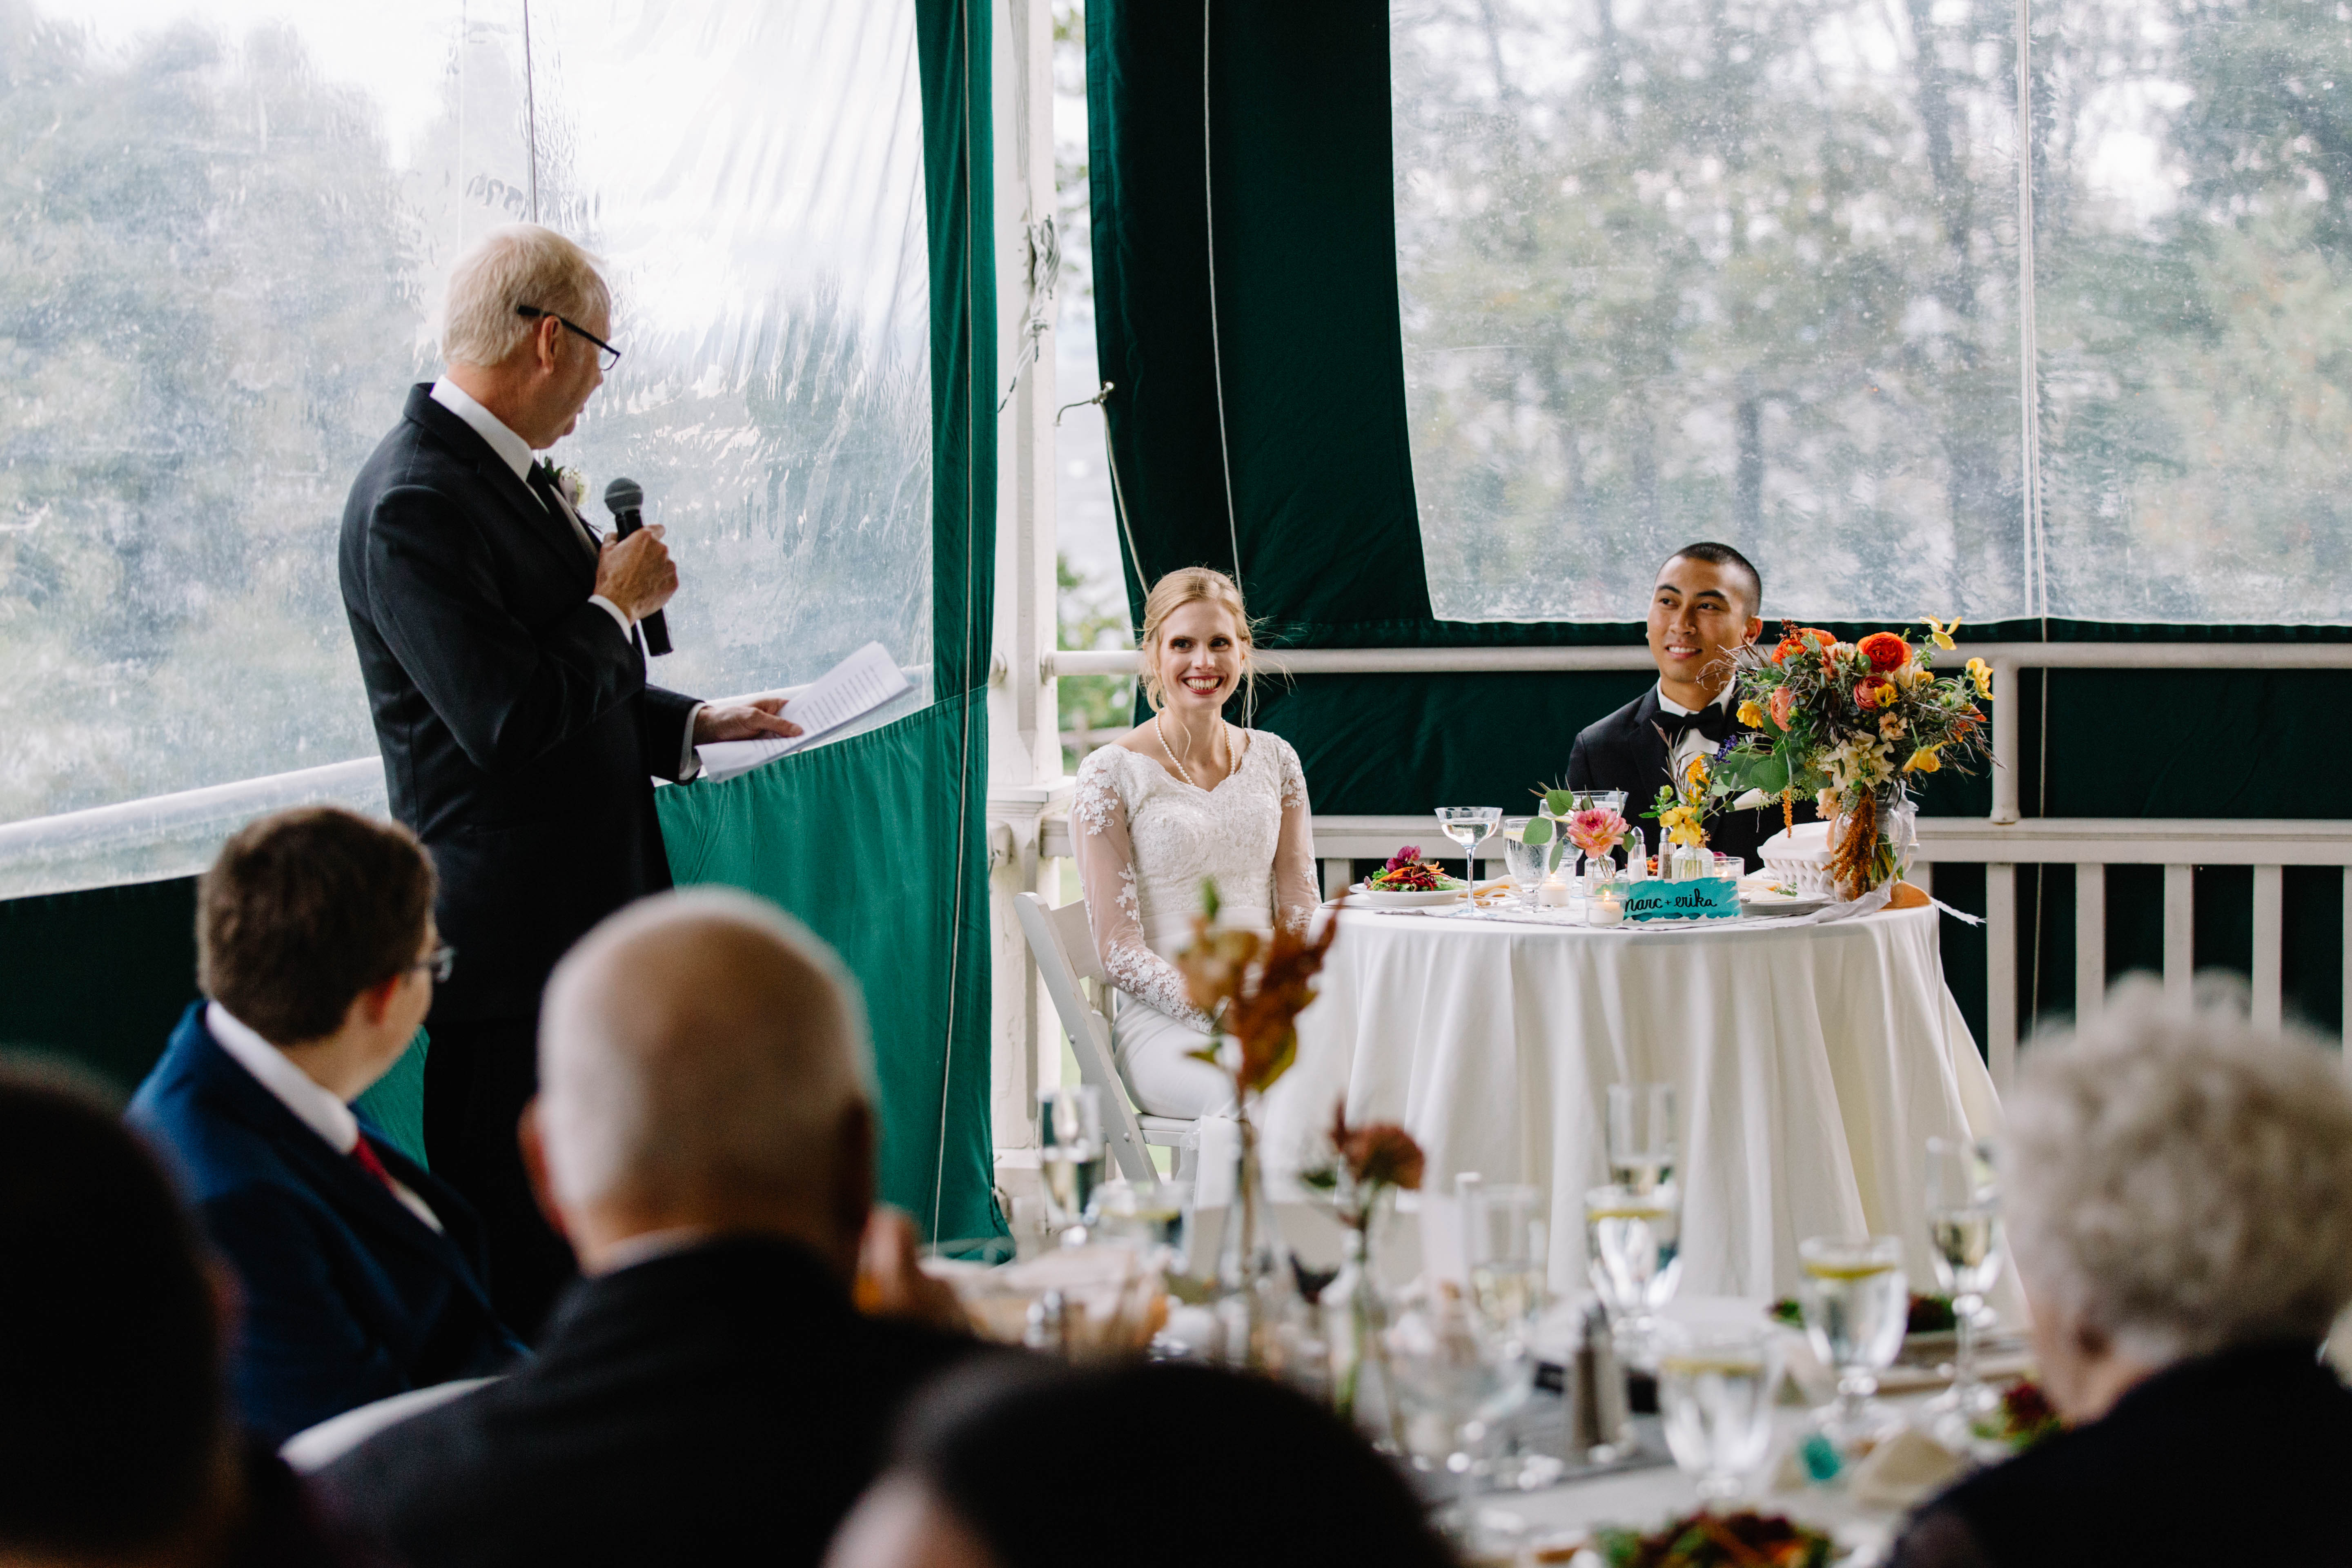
(1704, 899)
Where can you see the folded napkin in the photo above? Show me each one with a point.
(1903, 1470)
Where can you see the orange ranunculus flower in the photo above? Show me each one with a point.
(1784, 705)
(1886, 650)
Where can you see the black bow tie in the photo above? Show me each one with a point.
(1712, 722)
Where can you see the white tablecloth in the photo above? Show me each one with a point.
(1810, 1064)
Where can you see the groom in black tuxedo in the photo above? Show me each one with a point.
(497, 636)
(1706, 608)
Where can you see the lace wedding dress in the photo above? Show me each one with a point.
(1146, 840)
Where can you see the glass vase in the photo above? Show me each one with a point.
(1254, 1295)
(1892, 825)
(1356, 1318)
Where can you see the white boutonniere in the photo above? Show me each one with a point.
(572, 485)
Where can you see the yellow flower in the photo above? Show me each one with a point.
(1751, 715)
(1681, 824)
(1695, 772)
(1923, 761)
(1940, 631)
(1981, 673)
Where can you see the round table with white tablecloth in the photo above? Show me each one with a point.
(1811, 1063)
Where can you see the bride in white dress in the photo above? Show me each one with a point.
(1183, 798)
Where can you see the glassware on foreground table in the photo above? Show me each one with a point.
(1633, 1240)
(1467, 825)
(1641, 1135)
(1528, 864)
(1964, 1232)
(1457, 1379)
(1715, 1391)
(1856, 1300)
(1503, 1237)
(1149, 1219)
(1070, 1156)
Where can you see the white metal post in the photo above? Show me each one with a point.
(2000, 973)
(1025, 781)
(2090, 939)
(2179, 932)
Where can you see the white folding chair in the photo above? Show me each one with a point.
(1064, 946)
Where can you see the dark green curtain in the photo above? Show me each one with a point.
(1258, 426)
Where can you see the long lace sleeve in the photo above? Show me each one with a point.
(1296, 893)
(1107, 873)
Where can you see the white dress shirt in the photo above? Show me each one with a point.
(313, 1104)
(1692, 744)
(515, 452)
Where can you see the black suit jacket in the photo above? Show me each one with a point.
(718, 1405)
(2233, 1457)
(520, 738)
(347, 1297)
(1625, 752)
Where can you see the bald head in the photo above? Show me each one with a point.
(702, 1056)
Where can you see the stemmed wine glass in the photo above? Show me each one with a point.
(1964, 1225)
(1856, 1302)
(1633, 1240)
(1467, 825)
(1642, 1135)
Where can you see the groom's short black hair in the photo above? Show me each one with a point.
(1716, 554)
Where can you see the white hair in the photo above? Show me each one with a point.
(513, 265)
(696, 1041)
(2181, 1179)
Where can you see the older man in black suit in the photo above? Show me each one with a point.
(498, 635)
(709, 1393)
(1706, 608)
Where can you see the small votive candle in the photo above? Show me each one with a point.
(1604, 909)
(1552, 894)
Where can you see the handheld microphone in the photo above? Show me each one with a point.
(622, 498)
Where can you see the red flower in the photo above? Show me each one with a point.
(1784, 704)
(1886, 650)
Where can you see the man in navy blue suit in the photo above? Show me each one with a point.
(361, 1275)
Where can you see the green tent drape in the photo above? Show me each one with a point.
(1246, 309)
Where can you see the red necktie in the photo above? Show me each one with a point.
(373, 1166)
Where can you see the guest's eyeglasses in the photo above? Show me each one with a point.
(608, 356)
(438, 962)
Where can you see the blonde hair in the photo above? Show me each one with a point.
(1191, 586)
(512, 265)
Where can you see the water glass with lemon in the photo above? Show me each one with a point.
(1856, 1299)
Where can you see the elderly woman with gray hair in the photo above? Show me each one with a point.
(2178, 1188)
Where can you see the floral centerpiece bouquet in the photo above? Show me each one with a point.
(1681, 807)
(1595, 830)
(1854, 724)
(1253, 987)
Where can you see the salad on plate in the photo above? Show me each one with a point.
(1407, 872)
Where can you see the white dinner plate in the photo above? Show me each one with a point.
(1780, 903)
(1375, 900)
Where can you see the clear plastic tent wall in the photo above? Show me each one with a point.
(229, 222)
(1675, 269)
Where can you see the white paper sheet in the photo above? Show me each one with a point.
(857, 685)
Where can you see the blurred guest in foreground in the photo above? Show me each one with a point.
(2178, 1197)
(1010, 1467)
(116, 1445)
(704, 1137)
(362, 1275)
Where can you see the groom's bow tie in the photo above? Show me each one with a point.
(1712, 722)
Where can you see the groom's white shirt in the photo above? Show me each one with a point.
(515, 452)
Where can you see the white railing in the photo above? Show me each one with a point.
(176, 835)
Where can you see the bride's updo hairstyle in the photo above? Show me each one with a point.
(1192, 585)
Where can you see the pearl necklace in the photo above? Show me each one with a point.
(1224, 748)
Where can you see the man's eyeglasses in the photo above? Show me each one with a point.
(608, 356)
(439, 962)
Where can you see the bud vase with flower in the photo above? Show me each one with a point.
(1367, 1166)
(1253, 987)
